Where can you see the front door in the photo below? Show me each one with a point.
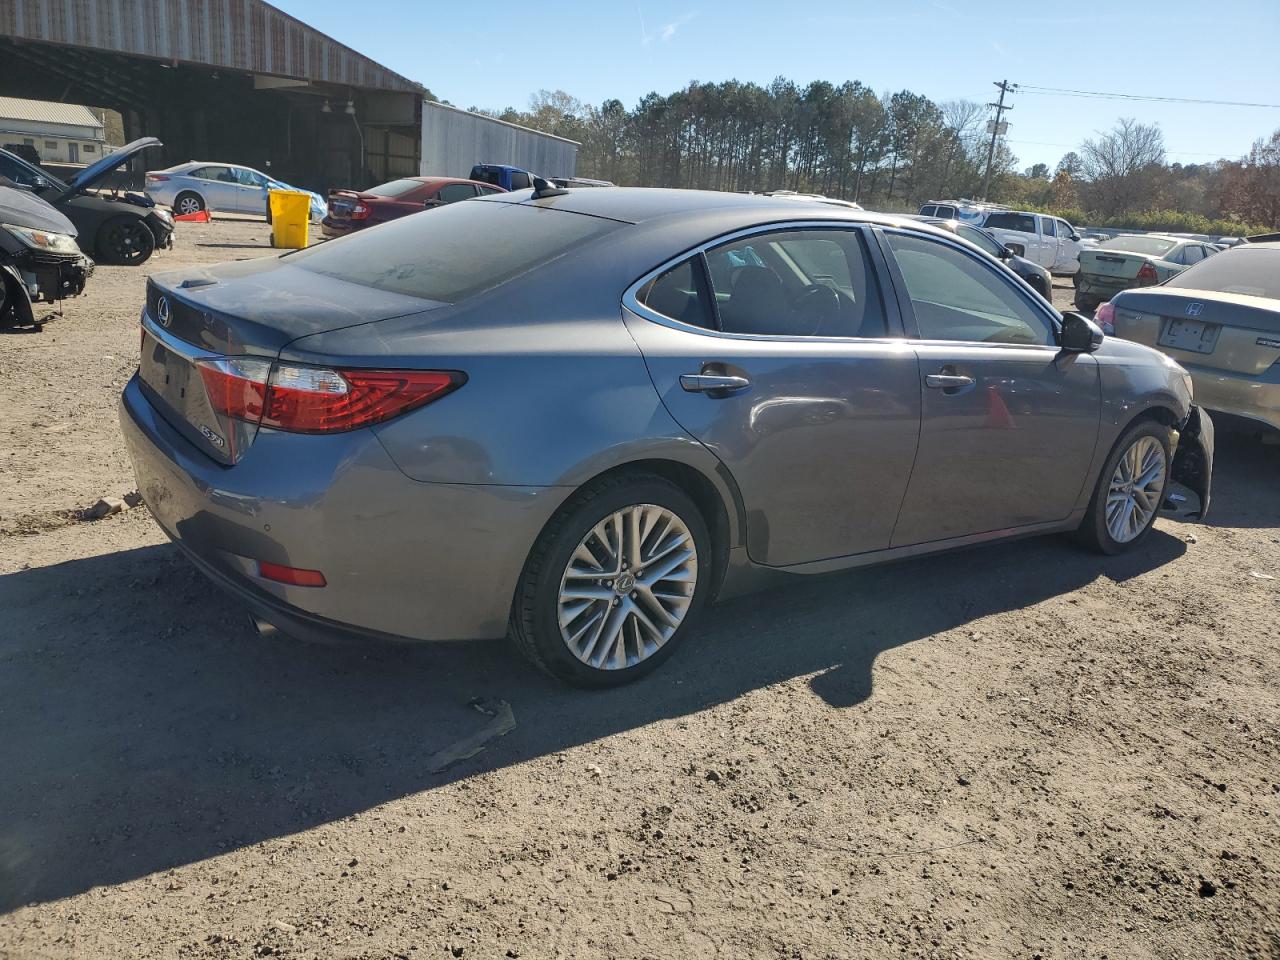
(777, 351)
(1008, 421)
(73, 152)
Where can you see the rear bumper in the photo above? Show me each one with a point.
(1254, 398)
(337, 228)
(1105, 287)
(402, 559)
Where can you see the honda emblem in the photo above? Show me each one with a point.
(1193, 309)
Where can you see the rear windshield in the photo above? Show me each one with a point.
(1022, 222)
(460, 250)
(394, 188)
(1255, 273)
(1155, 246)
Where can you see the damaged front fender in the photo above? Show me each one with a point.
(1193, 460)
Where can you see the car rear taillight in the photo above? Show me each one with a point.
(1105, 317)
(294, 576)
(360, 211)
(156, 178)
(301, 399)
(1147, 275)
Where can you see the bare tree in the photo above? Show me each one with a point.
(1119, 166)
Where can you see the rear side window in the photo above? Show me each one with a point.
(1022, 222)
(452, 192)
(460, 250)
(520, 180)
(1047, 226)
(797, 283)
(680, 294)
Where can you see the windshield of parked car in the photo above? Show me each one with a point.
(460, 250)
(1152, 246)
(1255, 273)
(395, 188)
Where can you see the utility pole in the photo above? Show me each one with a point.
(1005, 87)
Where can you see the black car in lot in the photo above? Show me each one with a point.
(1037, 277)
(119, 228)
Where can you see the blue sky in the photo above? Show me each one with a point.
(944, 49)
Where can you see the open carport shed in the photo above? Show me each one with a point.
(231, 80)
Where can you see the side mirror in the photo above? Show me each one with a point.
(1080, 334)
(433, 202)
(1075, 237)
(1009, 251)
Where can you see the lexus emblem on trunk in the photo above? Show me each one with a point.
(162, 311)
(1193, 309)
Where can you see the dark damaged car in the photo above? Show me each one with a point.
(39, 259)
(579, 416)
(115, 226)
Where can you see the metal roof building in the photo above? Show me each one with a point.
(61, 132)
(236, 80)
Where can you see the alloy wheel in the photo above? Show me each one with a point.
(627, 587)
(1136, 486)
(189, 205)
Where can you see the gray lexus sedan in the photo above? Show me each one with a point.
(576, 417)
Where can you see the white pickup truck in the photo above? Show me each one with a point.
(1049, 241)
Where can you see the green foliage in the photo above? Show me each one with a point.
(1167, 221)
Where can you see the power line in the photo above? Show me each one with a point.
(1102, 95)
(1076, 146)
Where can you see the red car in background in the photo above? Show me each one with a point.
(351, 210)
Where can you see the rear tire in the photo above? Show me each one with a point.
(1086, 304)
(1124, 508)
(187, 202)
(612, 622)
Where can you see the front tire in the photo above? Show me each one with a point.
(1130, 490)
(187, 203)
(613, 582)
(125, 241)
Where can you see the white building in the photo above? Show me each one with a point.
(59, 132)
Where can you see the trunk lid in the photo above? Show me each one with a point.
(1112, 264)
(1203, 328)
(342, 202)
(247, 309)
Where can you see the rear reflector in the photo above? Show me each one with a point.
(1147, 274)
(291, 575)
(301, 399)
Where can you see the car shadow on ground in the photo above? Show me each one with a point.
(1244, 465)
(126, 677)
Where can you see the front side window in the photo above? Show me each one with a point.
(797, 283)
(1192, 253)
(955, 296)
(1065, 229)
(520, 180)
(453, 192)
(1021, 222)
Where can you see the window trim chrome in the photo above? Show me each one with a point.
(631, 301)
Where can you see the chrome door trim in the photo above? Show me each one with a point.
(892, 308)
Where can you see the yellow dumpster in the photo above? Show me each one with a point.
(290, 218)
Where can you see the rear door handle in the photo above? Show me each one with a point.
(711, 383)
(947, 381)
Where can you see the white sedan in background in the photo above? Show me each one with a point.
(222, 187)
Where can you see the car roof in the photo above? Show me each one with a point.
(645, 204)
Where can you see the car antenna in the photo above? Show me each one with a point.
(544, 188)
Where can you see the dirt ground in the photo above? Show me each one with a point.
(1019, 751)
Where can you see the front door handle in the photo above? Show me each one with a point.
(947, 381)
(712, 383)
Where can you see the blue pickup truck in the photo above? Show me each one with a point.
(502, 175)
